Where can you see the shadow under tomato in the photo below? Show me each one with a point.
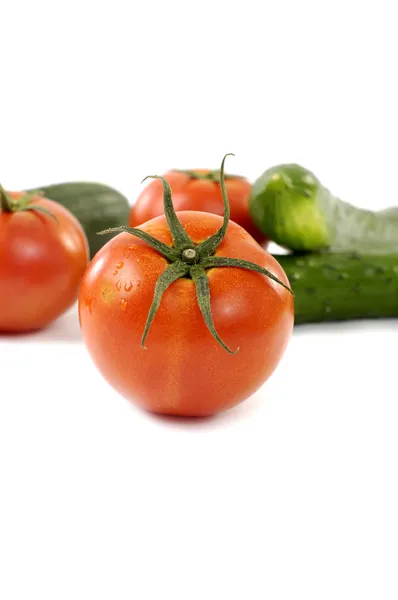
(348, 327)
(178, 420)
(64, 329)
(238, 412)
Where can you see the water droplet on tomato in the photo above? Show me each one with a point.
(128, 286)
(116, 272)
(88, 302)
(138, 283)
(119, 286)
(133, 247)
(123, 303)
(120, 265)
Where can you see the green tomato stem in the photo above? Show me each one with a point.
(172, 273)
(190, 260)
(6, 204)
(180, 237)
(199, 276)
(210, 245)
(222, 261)
(212, 176)
(157, 245)
(41, 209)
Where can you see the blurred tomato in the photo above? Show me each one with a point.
(43, 256)
(198, 190)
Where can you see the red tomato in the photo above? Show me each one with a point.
(197, 193)
(42, 261)
(184, 371)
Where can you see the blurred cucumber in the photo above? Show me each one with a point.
(291, 206)
(95, 205)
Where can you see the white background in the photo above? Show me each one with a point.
(292, 495)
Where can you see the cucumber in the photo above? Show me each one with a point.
(95, 205)
(291, 206)
(335, 287)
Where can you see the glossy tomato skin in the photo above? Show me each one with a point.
(41, 265)
(184, 371)
(197, 194)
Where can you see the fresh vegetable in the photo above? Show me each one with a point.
(95, 205)
(201, 355)
(198, 190)
(43, 255)
(330, 287)
(290, 205)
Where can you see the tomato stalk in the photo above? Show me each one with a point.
(11, 205)
(6, 203)
(213, 176)
(189, 259)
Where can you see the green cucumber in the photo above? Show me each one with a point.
(95, 205)
(291, 206)
(335, 287)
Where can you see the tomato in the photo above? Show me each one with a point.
(42, 260)
(198, 190)
(190, 318)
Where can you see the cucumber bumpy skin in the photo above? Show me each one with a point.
(336, 287)
(290, 205)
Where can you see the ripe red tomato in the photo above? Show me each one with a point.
(198, 190)
(42, 261)
(184, 371)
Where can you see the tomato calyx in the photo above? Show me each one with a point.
(189, 255)
(188, 259)
(8, 204)
(212, 176)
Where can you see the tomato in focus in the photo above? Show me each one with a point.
(42, 261)
(183, 370)
(198, 190)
